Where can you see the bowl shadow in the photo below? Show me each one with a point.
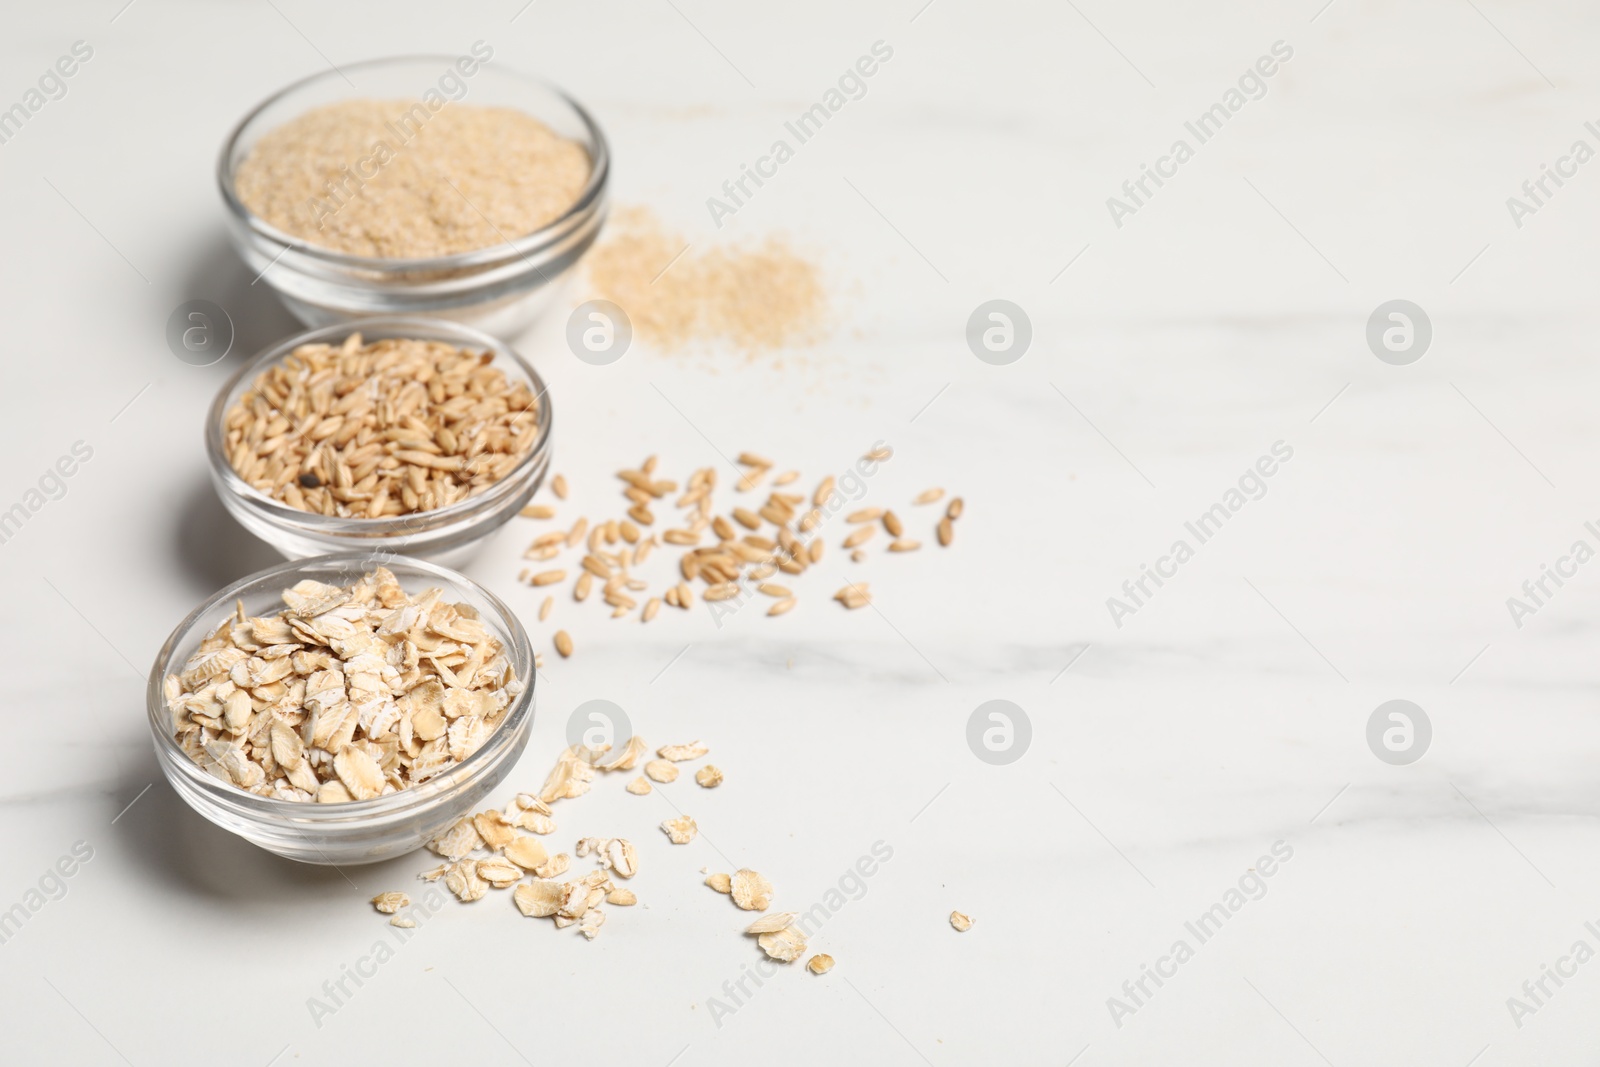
(259, 317)
(212, 549)
(176, 848)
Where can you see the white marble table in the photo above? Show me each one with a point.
(1227, 714)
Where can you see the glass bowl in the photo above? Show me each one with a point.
(500, 289)
(357, 831)
(448, 535)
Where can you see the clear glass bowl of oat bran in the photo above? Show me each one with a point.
(447, 535)
(357, 831)
(499, 286)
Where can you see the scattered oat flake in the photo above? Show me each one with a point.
(961, 922)
(680, 753)
(661, 770)
(391, 902)
(496, 830)
(539, 824)
(456, 842)
(821, 963)
(622, 857)
(771, 923)
(539, 899)
(621, 897)
(499, 872)
(556, 867)
(404, 922)
(639, 787)
(709, 776)
(526, 852)
(461, 878)
(570, 777)
(720, 882)
(680, 830)
(750, 890)
(786, 945)
(627, 757)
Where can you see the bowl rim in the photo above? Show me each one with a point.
(511, 248)
(435, 790)
(409, 326)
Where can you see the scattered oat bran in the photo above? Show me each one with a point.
(753, 298)
(465, 177)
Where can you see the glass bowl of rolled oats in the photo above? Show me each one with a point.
(343, 709)
(447, 186)
(415, 436)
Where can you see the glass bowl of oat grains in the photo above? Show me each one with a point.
(445, 186)
(414, 436)
(344, 709)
